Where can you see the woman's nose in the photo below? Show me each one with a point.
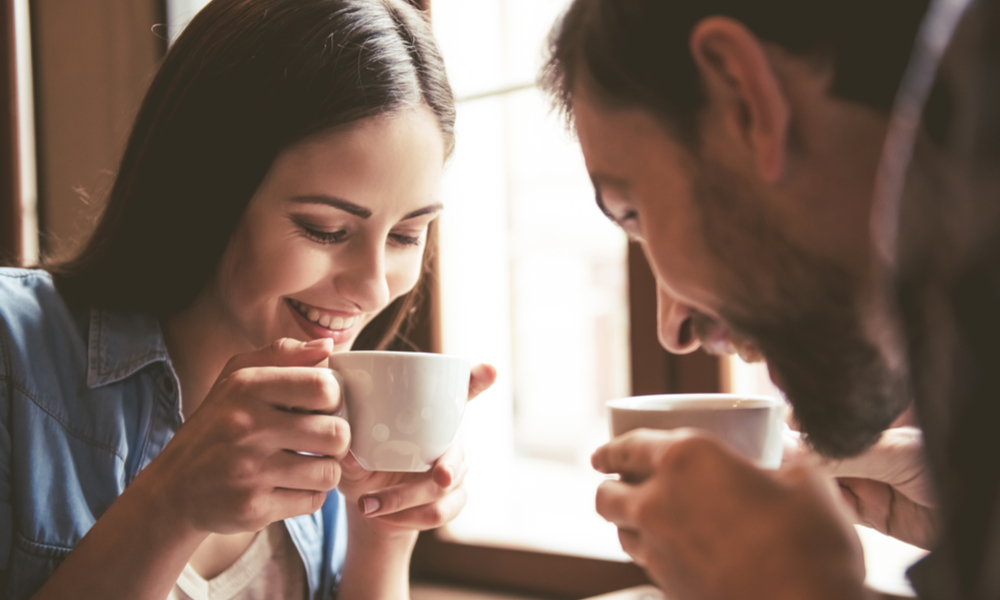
(675, 324)
(362, 280)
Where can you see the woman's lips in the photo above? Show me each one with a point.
(324, 318)
(318, 322)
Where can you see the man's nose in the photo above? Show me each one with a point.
(362, 279)
(675, 324)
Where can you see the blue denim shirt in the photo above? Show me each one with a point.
(88, 397)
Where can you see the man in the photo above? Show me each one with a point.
(739, 141)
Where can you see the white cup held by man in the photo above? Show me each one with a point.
(404, 408)
(751, 425)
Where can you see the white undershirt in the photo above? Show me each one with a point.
(270, 569)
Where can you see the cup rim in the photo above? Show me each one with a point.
(398, 353)
(691, 401)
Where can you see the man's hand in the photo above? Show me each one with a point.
(706, 524)
(888, 486)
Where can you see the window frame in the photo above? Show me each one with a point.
(438, 558)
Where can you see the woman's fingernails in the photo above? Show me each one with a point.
(450, 470)
(371, 505)
(318, 343)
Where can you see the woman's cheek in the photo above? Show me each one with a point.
(404, 275)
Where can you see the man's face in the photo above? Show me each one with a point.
(730, 278)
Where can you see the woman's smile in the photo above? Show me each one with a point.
(319, 322)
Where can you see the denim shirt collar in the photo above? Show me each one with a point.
(120, 344)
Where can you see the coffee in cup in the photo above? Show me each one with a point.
(750, 425)
(404, 408)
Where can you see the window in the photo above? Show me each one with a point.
(533, 280)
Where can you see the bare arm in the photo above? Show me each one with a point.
(385, 511)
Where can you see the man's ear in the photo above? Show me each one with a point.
(738, 77)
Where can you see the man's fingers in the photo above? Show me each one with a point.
(633, 454)
(896, 459)
(614, 500)
(632, 545)
(481, 378)
(284, 352)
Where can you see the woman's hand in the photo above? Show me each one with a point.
(262, 447)
(401, 502)
(888, 486)
(386, 510)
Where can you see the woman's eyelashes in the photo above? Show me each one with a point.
(407, 240)
(318, 234)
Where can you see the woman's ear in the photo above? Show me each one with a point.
(740, 83)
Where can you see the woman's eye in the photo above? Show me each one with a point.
(325, 237)
(406, 240)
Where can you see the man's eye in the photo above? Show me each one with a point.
(631, 215)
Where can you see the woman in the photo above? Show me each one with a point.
(163, 414)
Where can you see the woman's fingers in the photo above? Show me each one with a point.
(429, 516)
(481, 378)
(423, 490)
(293, 503)
(302, 389)
(321, 435)
(284, 352)
(288, 470)
(352, 469)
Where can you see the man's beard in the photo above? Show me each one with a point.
(801, 313)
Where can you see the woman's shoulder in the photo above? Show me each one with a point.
(28, 297)
(25, 289)
(33, 316)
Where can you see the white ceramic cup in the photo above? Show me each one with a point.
(404, 407)
(750, 425)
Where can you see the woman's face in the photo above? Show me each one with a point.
(335, 232)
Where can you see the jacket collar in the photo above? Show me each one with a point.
(120, 344)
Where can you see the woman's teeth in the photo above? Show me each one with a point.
(323, 320)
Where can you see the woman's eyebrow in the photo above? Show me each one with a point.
(344, 205)
(433, 208)
(361, 211)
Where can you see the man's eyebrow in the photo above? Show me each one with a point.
(344, 205)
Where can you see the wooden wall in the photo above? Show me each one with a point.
(92, 62)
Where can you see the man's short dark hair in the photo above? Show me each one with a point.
(636, 53)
